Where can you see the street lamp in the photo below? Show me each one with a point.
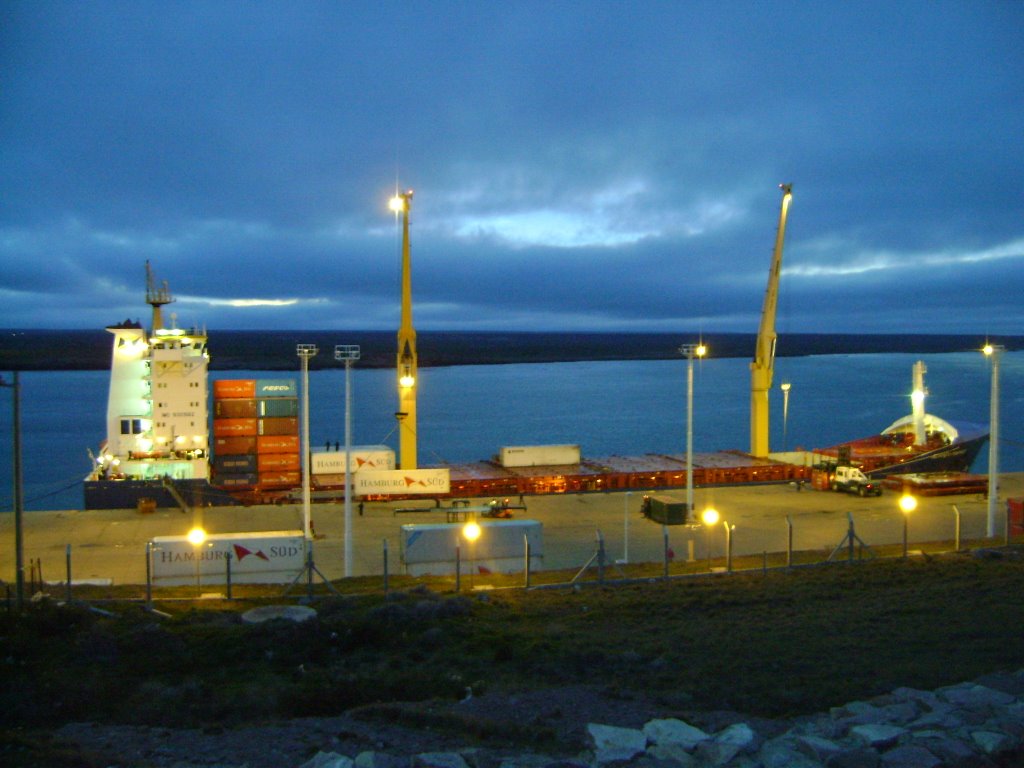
(470, 532)
(907, 505)
(348, 353)
(993, 351)
(305, 352)
(19, 502)
(689, 351)
(197, 537)
(710, 519)
(785, 386)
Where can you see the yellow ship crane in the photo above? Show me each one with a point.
(763, 365)
(407, 361)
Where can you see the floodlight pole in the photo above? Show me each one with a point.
(305, 352)
(993, 351)
(689, 351)
(19, 502)
(348, 353)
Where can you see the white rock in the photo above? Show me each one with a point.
(674, 754)
(971, 695)
(612, 743)
(725, 745)
(328, 760)
(992, 743)
(877, 734)
(296, 613)
(673, 731)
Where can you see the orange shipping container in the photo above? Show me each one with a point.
(277, 444)
(279, 426)
(227, 388)
(269, 462)
(223, 446)
(280, 479)
(237, 408)
(235, 427)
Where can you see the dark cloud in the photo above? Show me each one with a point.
(576, 166)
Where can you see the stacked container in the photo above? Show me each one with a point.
(256, 434)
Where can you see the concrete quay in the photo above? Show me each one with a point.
(109, 545)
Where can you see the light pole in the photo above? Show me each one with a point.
(305, 352)
(471, 532)
(907, 505)
(992, 352)
(625, 524)
(689, 351)
(710, 519)
(19, 502)
(785, 386)
(348, 353)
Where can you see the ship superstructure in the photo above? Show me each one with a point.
(157, 412)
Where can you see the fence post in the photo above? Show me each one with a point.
(526, 563)
(149, 576)
(600, 558)
(227, 575)
(789, 541)
(664, 548)
(956, 528)
(458, 568)
(385, 566)
(67, 566)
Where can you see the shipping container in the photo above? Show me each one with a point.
(276, 388)
(1015, 516)
(237, 408)
(501, 548)
(259, 557)
(271, 462)
(666, 510)
(235, 464)
(368, 457)
(539, 455)
(280, 479)
(277, 444)
(229, 480)
(228, 445)
(227, 388)
(278, 406)
(235, 427)
(282, 426)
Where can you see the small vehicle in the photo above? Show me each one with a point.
(852, 480)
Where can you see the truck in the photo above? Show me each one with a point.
(852, 480)
(664, 509)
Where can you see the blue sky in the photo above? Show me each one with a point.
(600, 166)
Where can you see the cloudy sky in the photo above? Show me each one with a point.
(605, 166)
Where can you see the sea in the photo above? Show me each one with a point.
(626, 408)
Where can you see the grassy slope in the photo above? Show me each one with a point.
(775, 644)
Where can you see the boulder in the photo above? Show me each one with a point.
(612, 743)
(676, 732)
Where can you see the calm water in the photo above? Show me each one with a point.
(629, 407)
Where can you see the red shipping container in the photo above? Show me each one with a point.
(234, 445)
(235, 409)
(227, 388)
(1015, 515)
(280, 426)
(280, 479)
(277, 444)
(269, 462)
(235, 427)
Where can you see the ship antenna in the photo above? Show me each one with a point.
(156, 297)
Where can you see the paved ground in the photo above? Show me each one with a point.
(110, 545)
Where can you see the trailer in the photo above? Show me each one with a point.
(665, 509)
(538, 455)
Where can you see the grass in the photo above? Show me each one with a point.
(774, 643)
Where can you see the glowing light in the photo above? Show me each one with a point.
(908, 503)
(396, 204)
(701, 350)
(709, 516)
(471, 531)
(196, 536)
(917, 397)
(988, 349)
(407, 381)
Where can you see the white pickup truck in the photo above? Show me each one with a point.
(852, 480)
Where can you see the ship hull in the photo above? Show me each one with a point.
(137, 494)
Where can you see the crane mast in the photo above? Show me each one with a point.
(763, 365)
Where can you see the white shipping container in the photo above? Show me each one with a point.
(501, 547)
(368, 457)
(539, 455)
(264, 557)
(402, 482)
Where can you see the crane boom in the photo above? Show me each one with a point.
(763, 365)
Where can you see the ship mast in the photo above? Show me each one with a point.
(763, 365)
(407, 361)
(156, 296)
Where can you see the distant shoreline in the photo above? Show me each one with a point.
(69, 350)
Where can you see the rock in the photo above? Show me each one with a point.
(526, 761)
(992, 743)
(725, 745)
(816, 747)
(949, 750)
(296, 613)
(854, 758)
(972, 696)
(672, 754)
(910, 756)
(612, 743)
(373, 759)
(676, 732)
(328, 760)
(439, 760)
(877, 735)
(785, 753)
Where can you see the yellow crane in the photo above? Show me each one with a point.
(407, 361)
(763, 365)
